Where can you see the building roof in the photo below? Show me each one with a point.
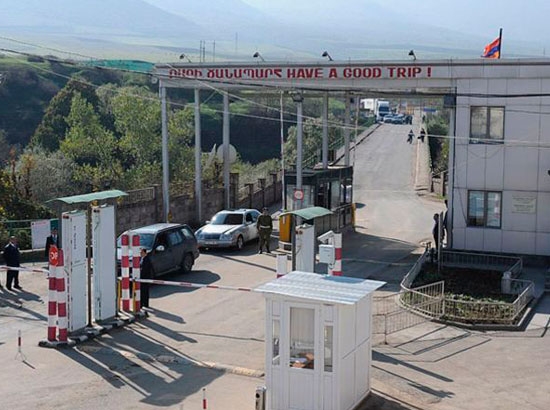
(309, 213)
(94, 196)
(322, 288)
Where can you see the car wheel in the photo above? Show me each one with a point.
(188, 262)
(240, 242)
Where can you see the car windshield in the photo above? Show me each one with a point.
(145, 240)
(227, 219)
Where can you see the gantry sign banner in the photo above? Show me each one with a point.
(394, 75)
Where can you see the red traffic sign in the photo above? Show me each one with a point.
(53, 255)
(298, 194)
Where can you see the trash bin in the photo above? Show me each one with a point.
(285, 221)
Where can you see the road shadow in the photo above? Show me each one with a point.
(378, 401)
(202, 277)
(161, 375)
(385, 358)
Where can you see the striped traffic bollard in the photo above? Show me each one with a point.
(282, 265)
(204, 404)
(136, 272)
(337, 270)
(52, 303)
(61, 298)
(125, 272)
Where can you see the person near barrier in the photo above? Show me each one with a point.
(146, 272)
(264, 224)
(53, 239)
(11, 257)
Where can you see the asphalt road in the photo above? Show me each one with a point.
(205, 338)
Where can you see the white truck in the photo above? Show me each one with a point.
(381, 109)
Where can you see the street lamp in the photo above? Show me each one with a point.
(411, 53)
(182, 56)
(258, 55)
(326, 54)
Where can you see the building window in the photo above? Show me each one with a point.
(484, 209)
(302, 338)
(486, 125)
(275, 340)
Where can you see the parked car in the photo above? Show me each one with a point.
(398, 119)
(172, 247)
(388, 119)
(229, 228)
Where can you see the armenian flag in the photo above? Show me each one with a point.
(492, 50)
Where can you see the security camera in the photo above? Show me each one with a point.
(326, 236)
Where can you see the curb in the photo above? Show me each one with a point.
(92, 333)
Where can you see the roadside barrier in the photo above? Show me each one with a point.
(336, 270)
(282, 265)
(125, 273)
(204, 403)
(20, 269)
(20, 354)
(136, 272)
(52, 304)
(62, 321)
(191, 285)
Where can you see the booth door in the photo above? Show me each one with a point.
(303, 374)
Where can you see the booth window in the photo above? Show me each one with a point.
(276, 336)
(486, 125)
(328, 348)
(484, 209)
(302, 338)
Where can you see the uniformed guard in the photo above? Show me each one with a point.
(265, 226)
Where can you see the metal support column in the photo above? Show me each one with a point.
(450, 178)
(325, 130)
(226, 164)
(347, 125)
(299, 137)
(198, 165)
(165, 173)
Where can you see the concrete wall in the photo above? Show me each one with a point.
(144, 207)
(518, 167)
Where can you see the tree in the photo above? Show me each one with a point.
(312, 141)
(93, 148)
(53, 128)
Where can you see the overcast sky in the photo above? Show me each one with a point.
(525, 20)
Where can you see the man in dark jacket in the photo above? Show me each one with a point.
(264, 224)
(53, 239)
(146, 272)
(11, 256)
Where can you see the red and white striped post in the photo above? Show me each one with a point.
(61, 298)
(52, 302)
(336, 270)
(125, 271)
(204, 404)
(282, 265)
(136, 272)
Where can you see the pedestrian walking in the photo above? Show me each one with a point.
(422, 135)
(11, 257)
(410, 137)
(264, 224)
(146, 272)
(53, 239)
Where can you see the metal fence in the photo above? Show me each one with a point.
(407, 308)
(482, 261)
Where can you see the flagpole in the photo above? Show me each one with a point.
(500, 43)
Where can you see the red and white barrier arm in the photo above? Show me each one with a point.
(23, 269)
(192, 285)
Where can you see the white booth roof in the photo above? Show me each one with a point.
(323, 288)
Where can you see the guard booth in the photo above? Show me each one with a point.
(330, 188)
(318, 341)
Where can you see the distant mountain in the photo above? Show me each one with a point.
(93, 18)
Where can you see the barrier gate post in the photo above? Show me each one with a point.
(125, 272)
(136, 272)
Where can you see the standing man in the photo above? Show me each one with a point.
(146, 272)
(53, 239)
(435, 232)
(264, 224)
(11, 256)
